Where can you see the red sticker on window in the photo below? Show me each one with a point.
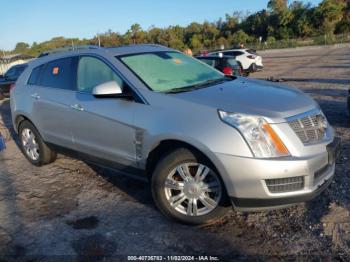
(55, 70)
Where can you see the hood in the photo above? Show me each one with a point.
(254, 97)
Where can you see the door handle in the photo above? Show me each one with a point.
(77, 107)
(35, 96)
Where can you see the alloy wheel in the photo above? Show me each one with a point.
(193, 189)
(30, 144)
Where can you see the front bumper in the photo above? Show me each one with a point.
(245, 178)
(260, 67)
(249, 204)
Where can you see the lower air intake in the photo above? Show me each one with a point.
(283, 185)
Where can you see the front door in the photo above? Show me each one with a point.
(104, 126)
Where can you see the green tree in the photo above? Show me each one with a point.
(301, 23)
(328, 14)
(240, 37)
(257, 24)
(277, 6)
(196, 43)
(21, 47)
(279, 19)
(135, 35)
(176, 35)
(344, 25)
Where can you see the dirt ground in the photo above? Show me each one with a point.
(70, 208)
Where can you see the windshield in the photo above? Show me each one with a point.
(169, 71)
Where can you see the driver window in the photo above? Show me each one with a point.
(92, 72)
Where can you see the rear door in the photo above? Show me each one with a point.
(103, 127)
(53, 97)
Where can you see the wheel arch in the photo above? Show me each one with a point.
(19, 119)
(168, 145)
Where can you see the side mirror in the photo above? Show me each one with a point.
(109, 89)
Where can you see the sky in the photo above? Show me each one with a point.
(40, 20)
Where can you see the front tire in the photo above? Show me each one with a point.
(187, 188)
(33, 146)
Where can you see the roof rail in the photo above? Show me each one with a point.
(133, 45)
(68, 48)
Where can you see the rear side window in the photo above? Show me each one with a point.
(92, 72)
(35, 76)
(60, 73)
(251, 51)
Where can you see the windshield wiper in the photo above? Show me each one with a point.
(198, 86)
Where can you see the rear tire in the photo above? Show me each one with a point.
(254, 68)
(200, 198)
(245, 73)
(33, 146)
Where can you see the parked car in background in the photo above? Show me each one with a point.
(249, 60)
(10, 77)
(226, 64)
(205, 141)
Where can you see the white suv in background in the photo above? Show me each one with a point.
(248, 59)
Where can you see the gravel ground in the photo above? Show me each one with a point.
(77, 210)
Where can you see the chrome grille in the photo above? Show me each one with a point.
(309, 129)
(283, 185)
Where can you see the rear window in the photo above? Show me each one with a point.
(20, 70)
(11, 72)
(208, 61)
(232, 62)
(35, 76)
(60, 73)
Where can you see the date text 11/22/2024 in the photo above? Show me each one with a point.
(173, 258)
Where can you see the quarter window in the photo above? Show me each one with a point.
(60, 74)
(92, 72)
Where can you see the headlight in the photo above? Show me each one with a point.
(260, 136)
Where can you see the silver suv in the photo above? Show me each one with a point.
(204, 140)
